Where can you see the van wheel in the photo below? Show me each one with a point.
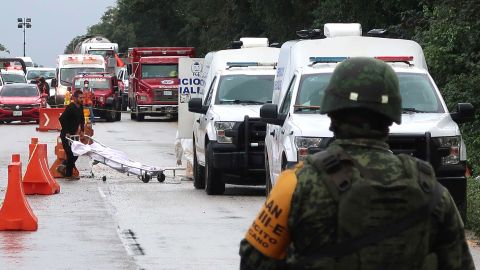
(110, 114)
(214, 184)
(268, 180)
(198, 172)
(118, 116)
(133, 116)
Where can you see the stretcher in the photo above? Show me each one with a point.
(116, 160)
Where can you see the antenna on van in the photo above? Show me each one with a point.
(309, 33)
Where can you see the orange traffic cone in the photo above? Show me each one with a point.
(37, 179)
(16, 214)
(61, 157)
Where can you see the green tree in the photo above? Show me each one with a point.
(3, 49)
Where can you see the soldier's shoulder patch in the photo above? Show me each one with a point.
(269, 233)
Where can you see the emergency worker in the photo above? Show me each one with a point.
(43, 86)
(356, 205)
(88, 97)
(68, 96)
(72, 122)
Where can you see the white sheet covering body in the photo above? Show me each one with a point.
(112, 158)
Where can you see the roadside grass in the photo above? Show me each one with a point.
(473, 206)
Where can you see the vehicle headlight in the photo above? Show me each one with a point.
(143, 98)
(452, 145)
(220, 128)
(303, 144)
(101, 99)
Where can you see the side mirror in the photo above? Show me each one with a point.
(195, 105)
(465, 112)
(129, 69)
(269, 114)
(54, 83)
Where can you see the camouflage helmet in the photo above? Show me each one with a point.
(363, 82)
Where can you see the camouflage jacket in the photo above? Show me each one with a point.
(313, 212)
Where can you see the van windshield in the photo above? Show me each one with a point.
(159, 71)
(245, 89)
(47, 74)
(67, 74)
(418, 93)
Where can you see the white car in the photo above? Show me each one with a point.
(227, 133)
(122, 77)
(34, 73)
(428, 131)
(10, 77)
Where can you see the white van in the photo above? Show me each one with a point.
(70, 65)
(428, 131)
(228, 135)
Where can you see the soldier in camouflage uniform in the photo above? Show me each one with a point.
(356, 205)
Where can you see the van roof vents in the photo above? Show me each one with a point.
(342, 29)
(248, 42)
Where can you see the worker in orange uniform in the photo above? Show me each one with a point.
(68, 96)
(88, 99)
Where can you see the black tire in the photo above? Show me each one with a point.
(110, 114)
(140, 116)
(118, 116)
(133, 108)
(145, 178)
(268, 181)
(462, 209)
(214, 184)
(161, 178)
(198, 171)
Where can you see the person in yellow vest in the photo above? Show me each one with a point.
(68, 96)
(88, 97)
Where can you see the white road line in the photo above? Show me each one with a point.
(101, 192)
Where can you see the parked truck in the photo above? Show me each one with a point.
(107, 101)
(153, 80)
(99, 45)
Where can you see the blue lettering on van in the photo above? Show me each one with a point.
(183, 90)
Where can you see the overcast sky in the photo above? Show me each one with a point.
(54, 24)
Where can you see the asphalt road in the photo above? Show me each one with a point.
(123, 223)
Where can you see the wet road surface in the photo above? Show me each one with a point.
(123, 223)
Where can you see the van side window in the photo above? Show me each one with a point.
(288, 98)
(208, 98)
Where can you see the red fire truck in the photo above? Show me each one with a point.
(153, 81)
(107, 102)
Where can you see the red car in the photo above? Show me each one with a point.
(21, 102)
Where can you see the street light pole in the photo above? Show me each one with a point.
(24, 23)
